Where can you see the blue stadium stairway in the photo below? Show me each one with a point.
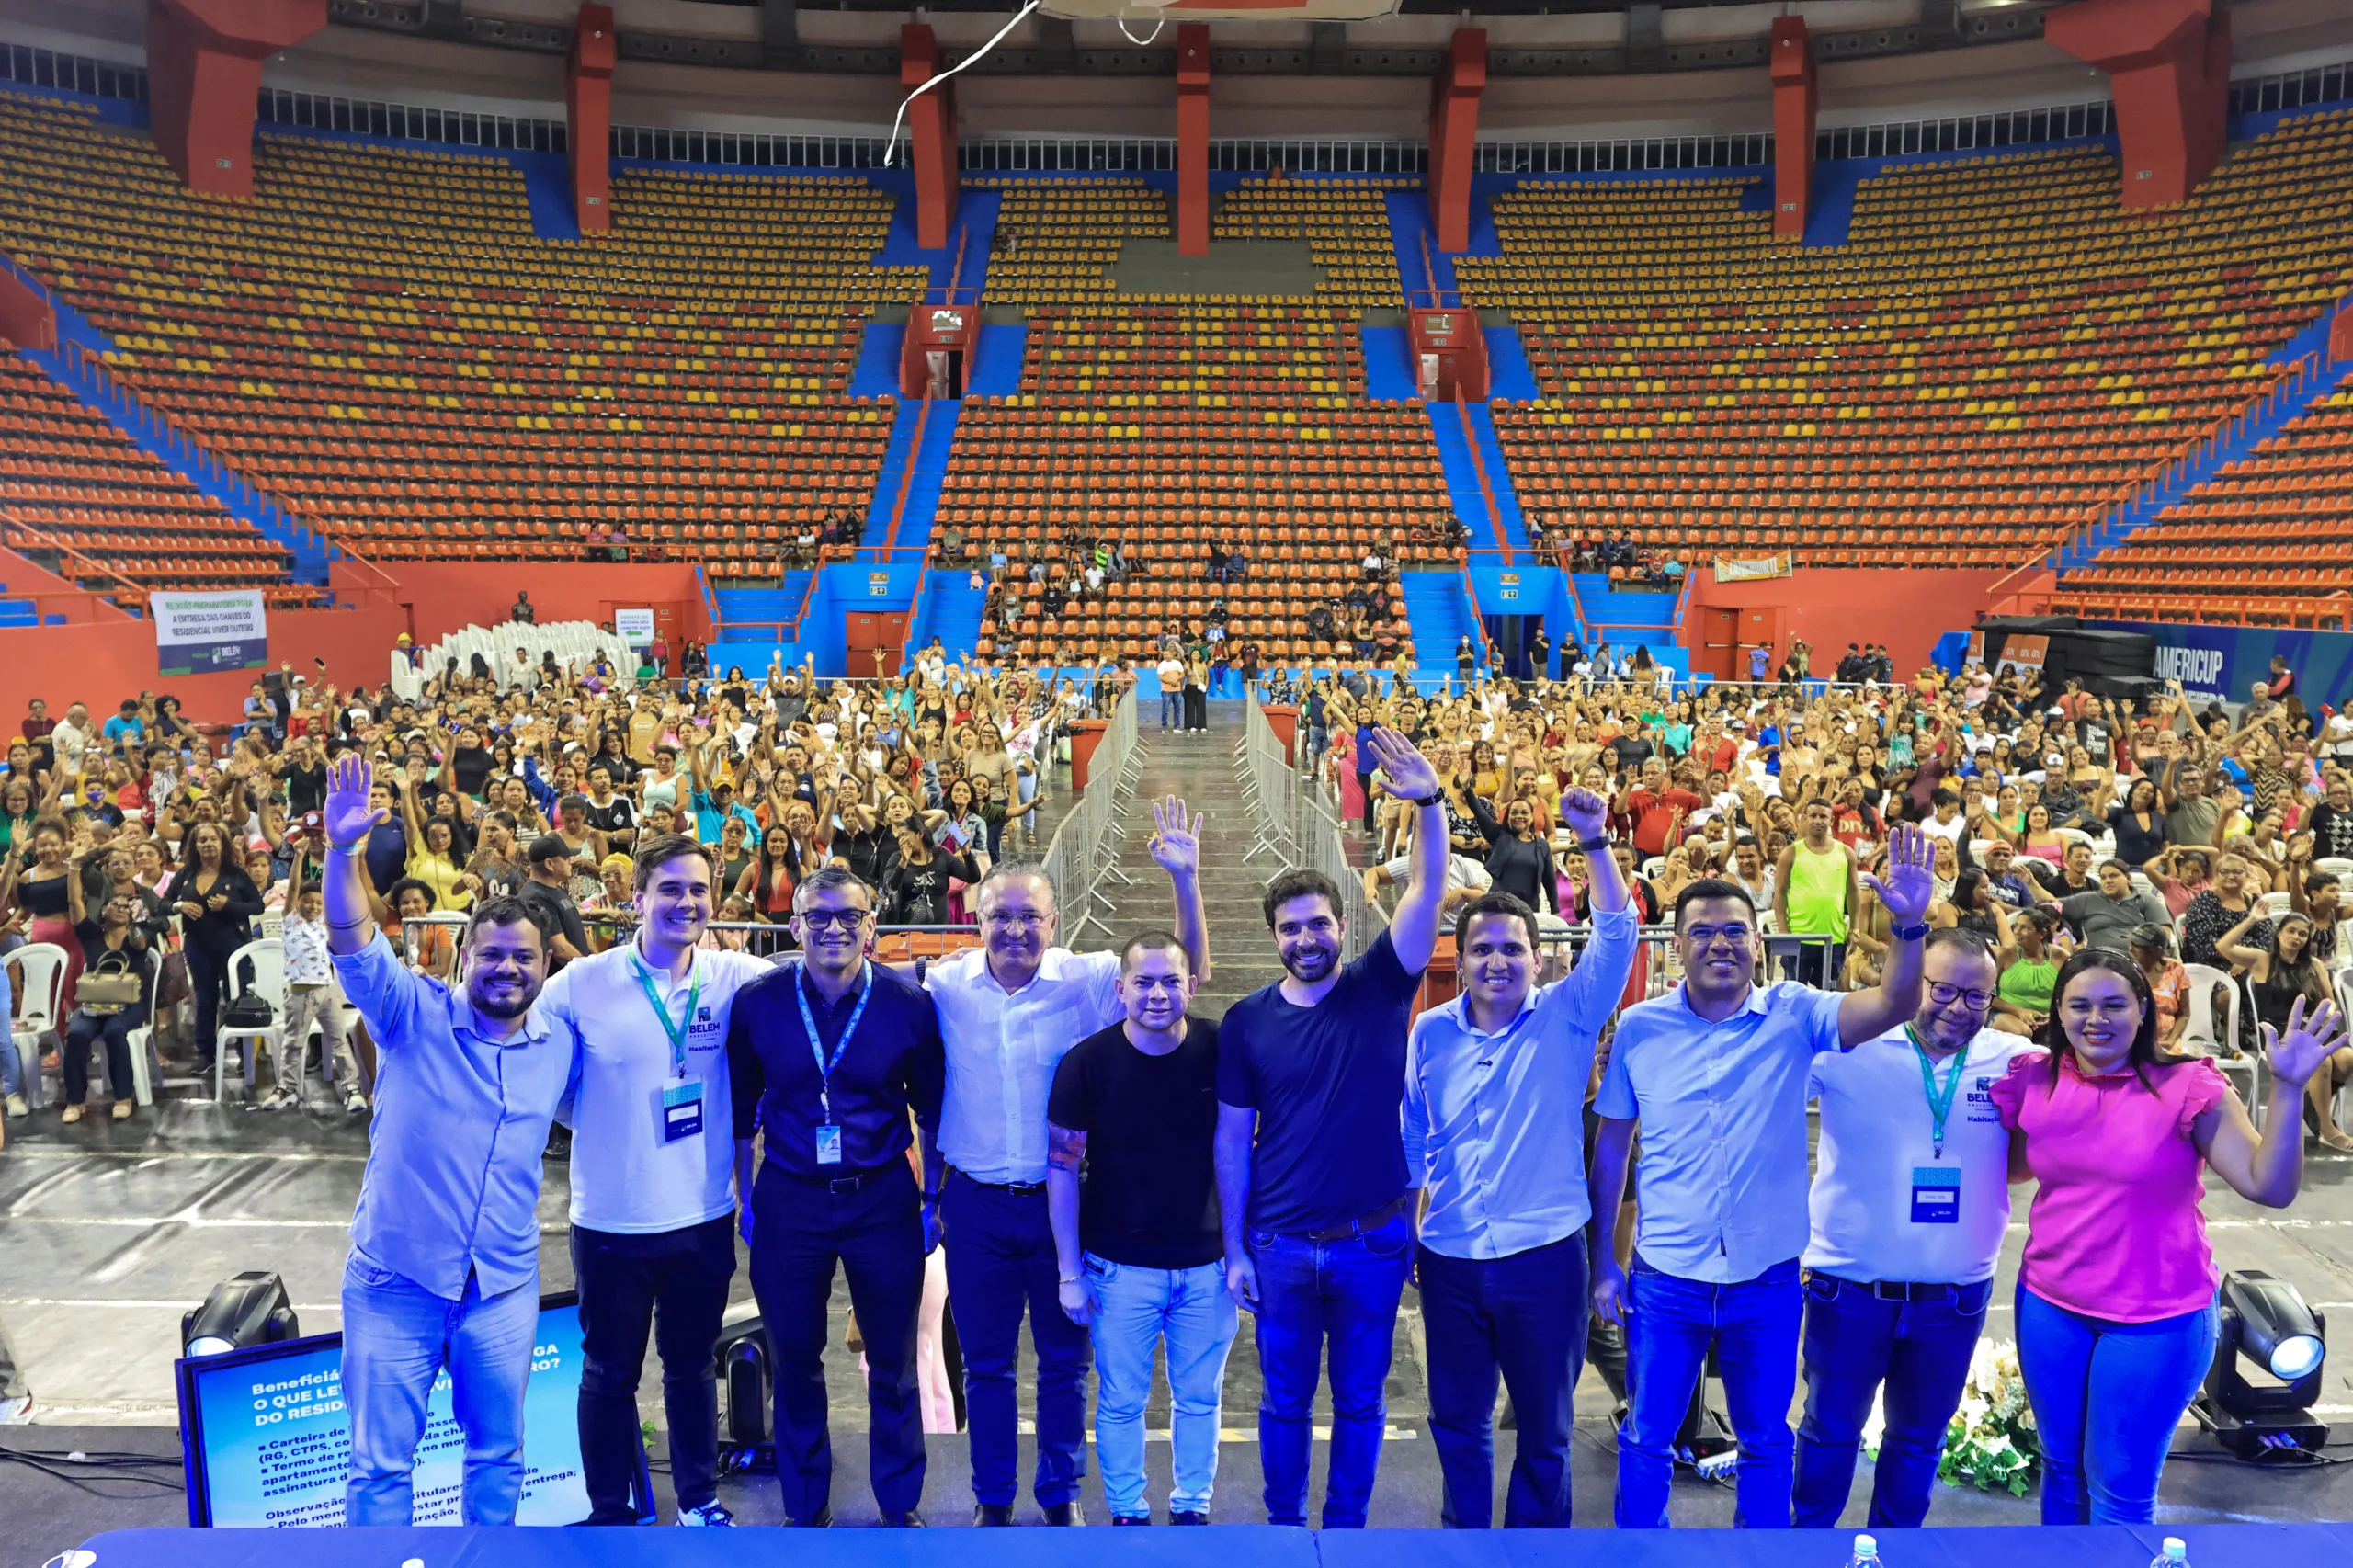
(1438, 608)
(952, 612)
(930, 471)
(2125, 518)
(1623, 618)
(24, 612)
(159, 439)
(1448, 421)
(746, 614)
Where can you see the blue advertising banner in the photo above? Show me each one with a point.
(198, 633)
(268, 1440)
(2222, 663)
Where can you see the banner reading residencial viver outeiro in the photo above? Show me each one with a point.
(197, 633)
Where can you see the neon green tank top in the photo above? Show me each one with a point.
(1818, 893)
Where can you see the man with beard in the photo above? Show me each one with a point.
(828, 1057)
(445, 1243)
(1908, 1210)
(1008, 1011)
(652, 1178)
(1494, 1100)
(1311, 1163)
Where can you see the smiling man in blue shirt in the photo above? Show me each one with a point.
(1495, 1096)
(445, 1245)
(1716, 1074)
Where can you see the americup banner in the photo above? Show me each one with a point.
(268, 1439)
(2222, 663)
(198, 633)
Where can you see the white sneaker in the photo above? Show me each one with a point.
(356, 1103)
(709, 1513)
(17, 1105)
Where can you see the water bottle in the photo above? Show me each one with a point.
(1866, 1553)
(2175, 1553)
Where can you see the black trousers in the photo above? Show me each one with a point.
(1501, 1317)
(113, 1031)
(674, 1285)
(801, 1232)
(207, 973)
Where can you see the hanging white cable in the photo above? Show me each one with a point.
(891, 151)
(1159, 20)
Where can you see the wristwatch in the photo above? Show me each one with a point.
(1908, 933)
(1594, 845)
(1431, 800)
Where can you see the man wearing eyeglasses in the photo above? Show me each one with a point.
(1716, 1074)
(1008, 1011)
(830, 1055)
(1909, 1205)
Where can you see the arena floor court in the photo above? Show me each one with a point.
(107, 1238)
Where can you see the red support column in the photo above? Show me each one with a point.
(1192, 138)
(931, 121)
(204, 60)
(1454, 132)
(1795, 99)
(2169, 64)
(588, 110)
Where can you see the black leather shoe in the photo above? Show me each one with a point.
(1189, 1518)
(824, 1520)
(910, 1520)
(1123, 1519)
(1063, 1513)
(992, 1513)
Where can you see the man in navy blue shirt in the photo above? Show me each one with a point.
(832, 1054)
(1311, 1162)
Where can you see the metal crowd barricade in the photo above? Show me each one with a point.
(1299, 828)
(1084, 850)
(893, 944)
(1660, 966)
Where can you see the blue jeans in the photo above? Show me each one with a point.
(1309, 1292)
(1752, 1326)
(2107, 1396)
(1134, 1310)
(1853, 1341)
(1172, 709)
(1000, 1260)
(397, 1335)
(1486, 1317)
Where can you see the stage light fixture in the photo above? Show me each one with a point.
(249, 1310)
(2267, 1320)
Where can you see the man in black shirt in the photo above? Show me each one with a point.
(1141, 1258)
(305, 773)
(547, 896)
(825, 1057)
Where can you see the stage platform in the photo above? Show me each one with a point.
(2210, 1546)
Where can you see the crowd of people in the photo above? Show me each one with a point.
(146, 847)
(1991, 891)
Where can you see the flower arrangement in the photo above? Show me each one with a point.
(1991, 1442)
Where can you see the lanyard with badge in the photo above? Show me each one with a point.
(681, 1108)
(1935, 1189)
(829, 1132)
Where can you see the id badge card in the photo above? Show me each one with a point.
(829, 1145)
(1936, 1194)
(681, 1109)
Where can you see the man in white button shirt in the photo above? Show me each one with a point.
(1910, 1200)
(1494, 1126)
(652, 1180)
(1008, 1011)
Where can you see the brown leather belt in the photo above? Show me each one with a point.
(1357, 1227)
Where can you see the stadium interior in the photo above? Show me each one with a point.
(1696, 328)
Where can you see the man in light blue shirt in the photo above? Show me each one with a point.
(445, 1245)
(1716, 1074)
(1494, 1126)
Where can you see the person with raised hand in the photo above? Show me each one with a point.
(445, 1245)
(1009, 1009)
(1494, 1130)
(1715, 1074)
(1312, 1186)
(2117, 1317)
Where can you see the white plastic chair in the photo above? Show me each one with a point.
(2275, 904)
(266, 960)
(142, 1039)
(2222, 1039)
(41, 969)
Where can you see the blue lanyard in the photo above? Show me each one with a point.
(676, 1031)
(817, 1050)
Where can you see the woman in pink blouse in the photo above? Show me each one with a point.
(2116, 1294)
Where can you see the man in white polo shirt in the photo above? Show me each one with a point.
(1909, 1203)
(652, 1180)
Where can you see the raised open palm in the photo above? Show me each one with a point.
(2297, 1051)
(348, 817)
